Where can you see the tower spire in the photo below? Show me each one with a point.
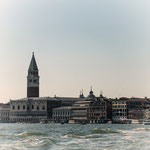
(33, 64)
(91, 88)
(101, 94)
(81, 94)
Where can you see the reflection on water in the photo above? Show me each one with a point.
(74, 137)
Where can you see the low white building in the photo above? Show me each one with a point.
(62, 114)
(32, 109)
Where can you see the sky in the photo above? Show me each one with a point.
(77, 44)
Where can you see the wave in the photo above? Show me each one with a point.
(29, 143)
(135, 131)
(25, 134)
(103, 131)
(95, 133)
(2, 135)
(47, 141)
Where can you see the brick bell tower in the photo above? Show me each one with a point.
(33, 79)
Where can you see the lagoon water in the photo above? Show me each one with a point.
(74, 137)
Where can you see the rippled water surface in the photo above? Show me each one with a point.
(74, 137)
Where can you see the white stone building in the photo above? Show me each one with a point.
(62, 114)
(32, 109)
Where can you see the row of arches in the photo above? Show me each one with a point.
(24, 107)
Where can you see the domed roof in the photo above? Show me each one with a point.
(91, 95)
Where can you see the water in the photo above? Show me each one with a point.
(74, 137)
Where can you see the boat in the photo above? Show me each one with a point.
(109, 122)
(135, 121)
(146, 122)
(43, 121)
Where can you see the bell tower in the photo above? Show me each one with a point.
(33, 79)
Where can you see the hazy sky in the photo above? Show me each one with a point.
(77, 43)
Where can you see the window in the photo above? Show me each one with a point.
(24, 107)
(43, 107)
(18, 107)
(29, 80)
(32, 106)
(37, 107)
(13, 107)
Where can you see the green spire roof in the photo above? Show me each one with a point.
(33, 65)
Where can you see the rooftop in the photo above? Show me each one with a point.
(65, 107)
(36, 99)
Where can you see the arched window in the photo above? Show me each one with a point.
(30, 80)
(37, 107)
(32, 106)
(18, 107)
(24, 107)
(13, 107)
(43, 107)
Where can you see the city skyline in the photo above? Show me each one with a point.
(77, 45)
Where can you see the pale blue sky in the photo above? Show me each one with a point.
(77, 43)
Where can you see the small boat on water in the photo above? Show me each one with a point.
(43, 121)
(146, 122)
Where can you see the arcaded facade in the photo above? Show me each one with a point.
(32, 109)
